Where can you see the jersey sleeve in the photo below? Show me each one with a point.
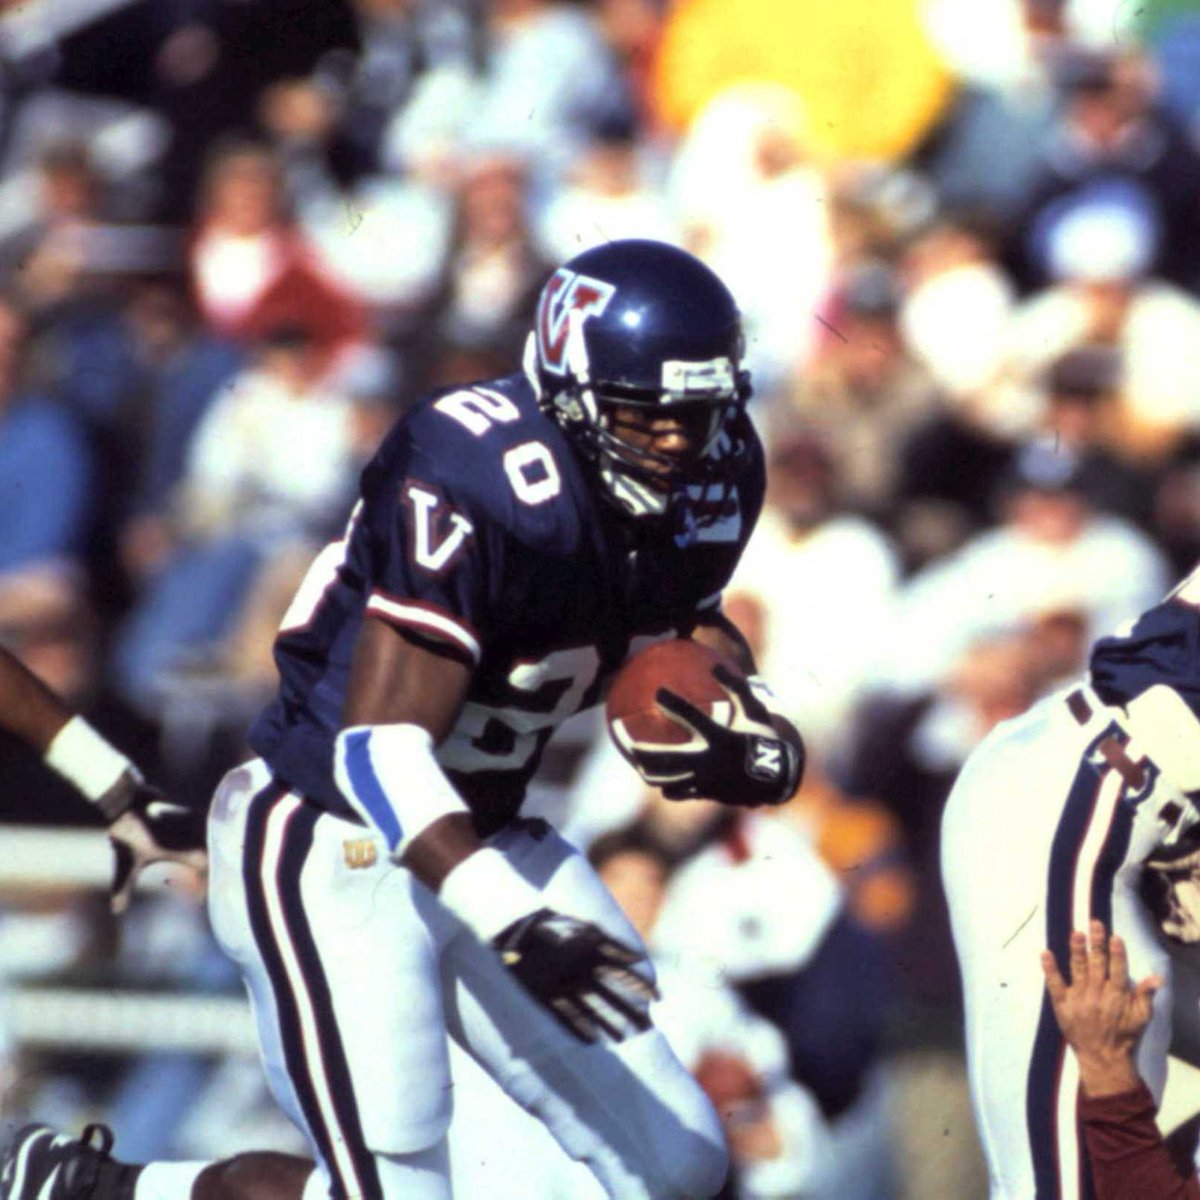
(430, 551)
(1129, 1159)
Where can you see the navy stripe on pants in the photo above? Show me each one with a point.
(343, 1125)
(1045, 1072)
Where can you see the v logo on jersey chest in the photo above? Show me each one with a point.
(438, 532)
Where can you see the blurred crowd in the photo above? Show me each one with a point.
(238, 237)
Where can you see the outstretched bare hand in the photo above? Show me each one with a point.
(1102, 1015)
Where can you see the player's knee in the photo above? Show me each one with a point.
(259, 1175)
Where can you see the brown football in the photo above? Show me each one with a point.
(683, 666)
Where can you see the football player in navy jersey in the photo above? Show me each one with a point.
(514, 543)
(1082, 810)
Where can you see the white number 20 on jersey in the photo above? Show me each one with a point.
(530, 467)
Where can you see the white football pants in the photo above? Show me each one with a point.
(356, 973)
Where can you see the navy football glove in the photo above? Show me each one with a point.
(580, 974)
(746, 763)
(145, 828)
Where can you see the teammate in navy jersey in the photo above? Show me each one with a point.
(1083, 809)
(514, 543)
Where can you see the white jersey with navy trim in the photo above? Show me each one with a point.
(479, 533)
(1047, 827)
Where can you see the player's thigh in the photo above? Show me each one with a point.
(994, 872)
(336, 950)
(630, 1110)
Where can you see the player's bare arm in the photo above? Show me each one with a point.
(28, 709)
(402, 700)
(143, 826)
(395, 682)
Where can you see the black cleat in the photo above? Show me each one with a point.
(43, 1165)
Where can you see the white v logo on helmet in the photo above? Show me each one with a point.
(567, 301)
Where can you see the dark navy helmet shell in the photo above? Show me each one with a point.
(640, 328)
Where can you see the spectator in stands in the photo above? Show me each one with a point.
(67, 191)
(1176, 522)
(753, 204)
(482, 306)
(823, 581)
(45, 476)
(1111, 134)
(862, 393)
(987, 149)
(399, 40)
(382, 237)
(864, 844)
(730, 910)
(253, 270)
(954, 319)
(1081, 394)
(956, 303)
(929, 735)
(550, 80)
(1053, 551)
(605, 196)
(1099, 255)
(858, 838)
(208, 64)
(240, 503)
(179, 370)
(633, 28)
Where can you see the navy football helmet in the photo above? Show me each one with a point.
(631, 337)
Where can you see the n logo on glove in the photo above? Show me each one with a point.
(765, 759)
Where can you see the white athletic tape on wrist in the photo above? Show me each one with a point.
(83, 758)
(487, 894)
(390, 777)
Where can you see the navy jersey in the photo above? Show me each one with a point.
(477, 527)
(1161, 646)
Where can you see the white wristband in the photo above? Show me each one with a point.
(389, 775)
(82, 757)
(487, 893)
